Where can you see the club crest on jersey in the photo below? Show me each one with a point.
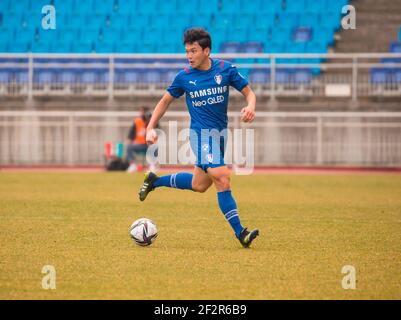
(218, 78)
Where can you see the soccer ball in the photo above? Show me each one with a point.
(143, 231)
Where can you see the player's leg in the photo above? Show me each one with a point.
(201, 180)
(197, 181)
(221, 179)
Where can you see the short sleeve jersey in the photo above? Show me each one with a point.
(207, 93)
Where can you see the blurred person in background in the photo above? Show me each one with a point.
(136, 141)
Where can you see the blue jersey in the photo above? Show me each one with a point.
(207, 93)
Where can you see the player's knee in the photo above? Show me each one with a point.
(222, 183)
(201, 188)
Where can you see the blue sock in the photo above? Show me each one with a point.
(229, 208)
(181, 180)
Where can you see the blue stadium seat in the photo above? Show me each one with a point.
(89, 34)
(264, 21)
(159, 21)
(313, 6)
(44, 76)
(21, 76)
(104, 7)
(18, 7)
(259, 76)
(250, 7)
(5, 76)
(275, 47)
(131, 76)
(237, 35)
(67, 76)
(3, 46)
(87, 76)
(201, 20)
(397, 76)
(170, 75)
(4, 6)
(294, 6)
(125, 6)
(104, 47)
(179, 24)
(395, 47)
(82, 47)
(309, 20)
(40, 47)
(230, 6)
(272, 6)
(289, 20)
(119, 21)
(147, 7)
(110, 34)
(152, 76)
(379, 76)
(185, 7)
(230, 47)
(302, 34)
(18, 46)
(84, 6)
(61, 47)
(94, 21)
(283, 76)
(282, 35)
(316, 47)
(303, 76)
(252, 47)
(75, 21)
(258, 35)
(63, 7)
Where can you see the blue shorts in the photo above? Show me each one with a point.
(209, 149)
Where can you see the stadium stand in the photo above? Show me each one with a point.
(89, 32)
(139, 26)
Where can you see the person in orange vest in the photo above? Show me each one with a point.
(137, 140)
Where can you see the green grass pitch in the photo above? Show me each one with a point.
(310, 227)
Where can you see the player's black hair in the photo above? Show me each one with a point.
(199, 35)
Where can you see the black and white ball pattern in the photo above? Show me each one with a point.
(143, 231)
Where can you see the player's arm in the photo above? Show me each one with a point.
(248, 112)
(157, 114)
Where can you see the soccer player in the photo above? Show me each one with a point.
(205, 83)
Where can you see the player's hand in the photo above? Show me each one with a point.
(247, 114)
(151, 136)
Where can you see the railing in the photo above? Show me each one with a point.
(331, 75)
(280, 138)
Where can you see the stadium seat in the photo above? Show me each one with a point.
(283, 76)
(44, 76)
(397, 76)
(302, 34)
(139, 26)
(264, 21)
(67, 76)
(230, 6)
(259, 76)
(303, 77)
(379, 75)
(396, 47)
(272, 6)
(294, 6)
(5, 76)
(252, 47)
(230, 47)
(61, 47)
